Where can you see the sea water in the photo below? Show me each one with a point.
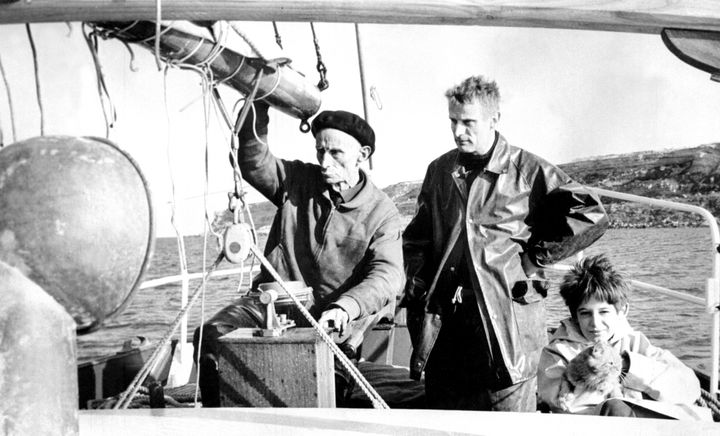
(675, 258)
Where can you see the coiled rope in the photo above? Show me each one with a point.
(707, 400)
(142, 398)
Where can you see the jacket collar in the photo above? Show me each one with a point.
(500, 159)
(498, 163)
(569, 330)
(363, 196)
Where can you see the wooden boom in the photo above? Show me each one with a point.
(282, 87)
(639, 16)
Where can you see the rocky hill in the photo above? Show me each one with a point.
(689, 175)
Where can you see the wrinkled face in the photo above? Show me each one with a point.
(599, 320)
(340, 155)
(473, 129)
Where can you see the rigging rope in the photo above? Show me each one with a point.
(238, 208)
(278, 39)
(354, 372)
(239, 195)
(707, 400)
(9, 100)
(323, 84)
(131, 52)
(208, 90)
(220, 107)
(202, 302)
(248, 41)
(278, 70)
(207, 86)
(217, 49)
(173, 202)
(231, 75)
(158, 34)
(105, 34)
(38, 93)
(206, 80)
(128, 394)
(106, 103)
(203, 69)
(142, 398)
(179, 238)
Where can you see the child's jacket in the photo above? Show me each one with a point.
(654, 373)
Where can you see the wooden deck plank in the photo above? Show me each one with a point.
(646, 16)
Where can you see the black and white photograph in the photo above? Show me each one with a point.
(338, 217)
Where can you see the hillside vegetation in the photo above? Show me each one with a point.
(689, 175)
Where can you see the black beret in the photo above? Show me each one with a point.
(347, 122)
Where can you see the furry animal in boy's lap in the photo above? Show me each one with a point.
(595, 372)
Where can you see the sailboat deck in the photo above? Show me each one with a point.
(369, 421)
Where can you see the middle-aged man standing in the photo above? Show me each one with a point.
(334, 230)
(488, 216)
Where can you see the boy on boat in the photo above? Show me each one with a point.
(334, 230)
(654, 383)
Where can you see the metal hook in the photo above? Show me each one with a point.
(375, 95)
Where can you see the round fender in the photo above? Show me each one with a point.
(76, 217)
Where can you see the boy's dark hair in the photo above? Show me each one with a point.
(593, 277)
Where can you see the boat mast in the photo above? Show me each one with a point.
(363, 86)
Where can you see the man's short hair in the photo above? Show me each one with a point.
(594, 277)
(476, 88)
(347, 122)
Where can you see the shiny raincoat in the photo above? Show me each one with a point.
(518, 203)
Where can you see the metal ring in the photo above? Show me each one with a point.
(304, 126)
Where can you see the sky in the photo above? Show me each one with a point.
(566, 95)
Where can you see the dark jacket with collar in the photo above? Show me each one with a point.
(518, 204)
(350, 254)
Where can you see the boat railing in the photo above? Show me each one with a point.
(154, 283)
(711, 302)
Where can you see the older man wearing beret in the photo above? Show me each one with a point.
(334, 230)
